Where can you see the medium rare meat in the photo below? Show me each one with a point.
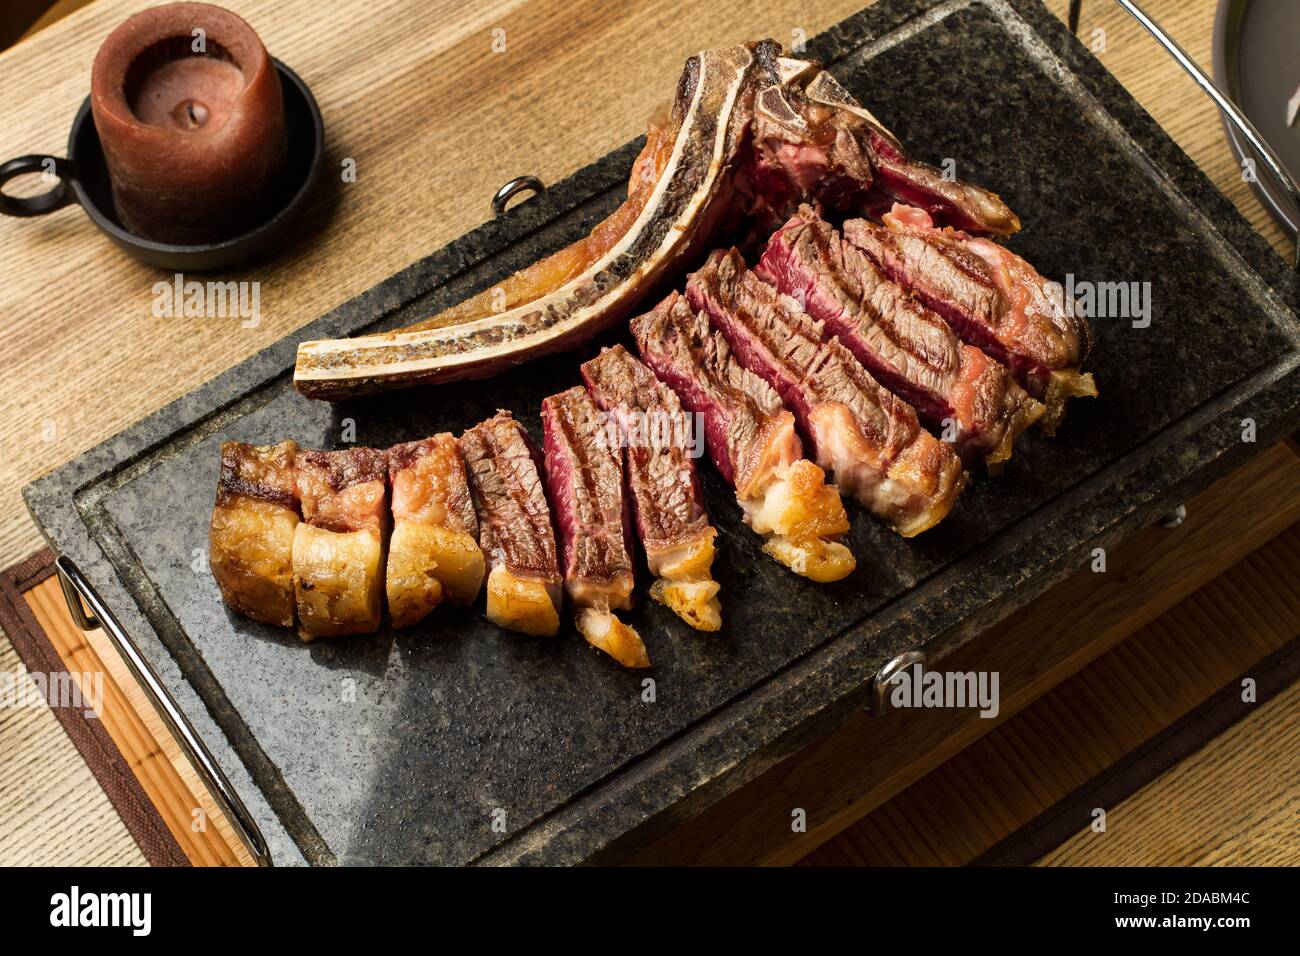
(433, 554)
(251, 537)
(867, 437)
(902, 343)
(663, 489)
(524, 587)
(338, 547)
(751, 439)
(991, 297)
(584, 475)
(750, 135)
(812, 141)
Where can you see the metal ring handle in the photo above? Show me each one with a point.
(880, 684)
(513, 188)
(77, 588)
(56, 198)
(1221, 100)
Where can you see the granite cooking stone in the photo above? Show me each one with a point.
(409, 747)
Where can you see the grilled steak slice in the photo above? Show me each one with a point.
(902, 343)
(680, 188)
(433, 553)
(991, 297)
(867, 437)
(251, 536)
(813, 141)
(751, 439)
(750, 133)
(662, 484)
(584, 475)
(514, 526)
(338, 548)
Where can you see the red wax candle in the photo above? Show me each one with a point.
(189, 112)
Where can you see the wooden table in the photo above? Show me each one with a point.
(435, 120)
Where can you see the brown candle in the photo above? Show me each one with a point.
(188, 108)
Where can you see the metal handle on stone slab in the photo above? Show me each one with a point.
(511, 189)
(76, 588)
(1228, 108)
(880, 683)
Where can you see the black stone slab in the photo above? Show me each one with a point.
(399, 748)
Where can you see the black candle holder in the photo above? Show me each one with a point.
(83, 179)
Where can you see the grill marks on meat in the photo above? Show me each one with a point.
(902, 343)
(338, 547)
(433, 554)
(567, 298)
(662, 484)
(868, 438)
(584, 475)
(751, 134)
(524, 584)
(991, 297)
(250, 546)
(751, 438)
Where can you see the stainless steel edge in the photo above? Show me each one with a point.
(76, 589)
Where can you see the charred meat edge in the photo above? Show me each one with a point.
(433, 553)
(252, 530)
(662, 484)
(868, 438)
(905, 345)
(338, 547)
(584, 475)
(991, 297)
(524, 586)
(682, 185)
(752, 440)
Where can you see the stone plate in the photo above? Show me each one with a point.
(458, 742)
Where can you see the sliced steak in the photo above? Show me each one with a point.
(902, 343)
(752, 440)
(867, 437)
(663, 487)
(991, 297)
(584, 475)
(750, 135)
(433, 553)
(524, 587)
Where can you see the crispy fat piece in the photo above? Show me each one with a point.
(433, 554)
(524, 587)
(252, 531)
(338, 549)
(662, 484)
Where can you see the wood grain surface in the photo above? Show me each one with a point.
(435, 121)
